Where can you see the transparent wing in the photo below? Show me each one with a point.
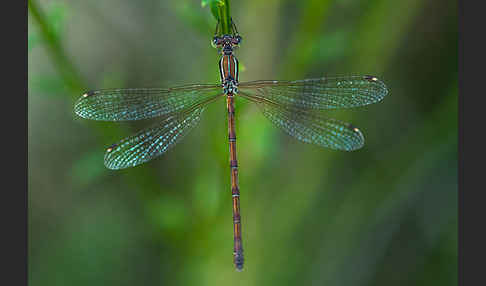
(320, 93)
(152, 141)
(141, 103)
(310, 127)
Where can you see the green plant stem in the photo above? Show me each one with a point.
(225, 17)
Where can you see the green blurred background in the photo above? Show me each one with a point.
(383, 215)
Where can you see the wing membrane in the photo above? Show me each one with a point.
(152, 141)
(310, 127)
(141, 103)
(319, 93)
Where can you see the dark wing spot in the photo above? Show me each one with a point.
(370, 78)
(113, 146)
(88, 93)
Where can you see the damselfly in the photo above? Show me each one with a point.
(290, 105)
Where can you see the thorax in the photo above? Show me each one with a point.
(228, 68)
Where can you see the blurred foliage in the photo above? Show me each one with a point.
(214, 5)
(383, 215)
(55, 15)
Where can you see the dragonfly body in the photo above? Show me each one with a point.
(292, 106)
(228, 66)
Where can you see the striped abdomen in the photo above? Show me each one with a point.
(235, 191)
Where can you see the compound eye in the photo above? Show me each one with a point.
(238, 39)
(215, 42)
